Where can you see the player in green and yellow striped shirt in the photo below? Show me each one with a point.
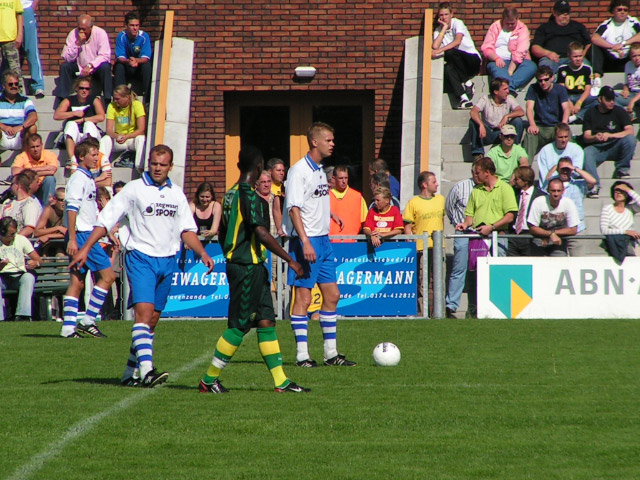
(243, 236)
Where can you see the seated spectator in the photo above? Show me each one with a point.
(631, 90)
(617, 218)
(126, 126)
(206, 211)
(381, 180)
(18, 116)
(50, 226)
(43, 162)
(551, 40)
(524, 179)
(609, 136)
(133, 55)
(577, 183)
(13, 269)
(381, 166)
(506, 48)
(119, 185)
(552, 219)
(490, 114)
(611, 40)
(547, 105)
(562, 146)
(24, 209)
(87, 52)
(452, 40)
(507, 156)
(80, 114)
(383, 220)
(576, 78)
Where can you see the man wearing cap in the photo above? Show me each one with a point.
(491, 113)
(609, 136)
(551, 41)
(508, 156)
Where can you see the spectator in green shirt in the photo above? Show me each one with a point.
(508, 156)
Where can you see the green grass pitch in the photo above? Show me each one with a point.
(469, 400)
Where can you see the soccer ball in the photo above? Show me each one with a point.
(386, 354)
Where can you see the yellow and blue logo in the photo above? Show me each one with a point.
(511, 288)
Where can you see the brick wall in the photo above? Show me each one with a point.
(255, 45)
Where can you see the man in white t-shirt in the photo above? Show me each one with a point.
(24, 209)
(307, 217)
(13, 268)
(552, 219)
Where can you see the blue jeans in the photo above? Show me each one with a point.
(24, 284)
(588, 103)
(620, 150)
(31, 48)
(521, 77)
(554, 65)
(458, 274)
(46, 190)
(493, 135)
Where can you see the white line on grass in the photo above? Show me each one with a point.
(84, 426)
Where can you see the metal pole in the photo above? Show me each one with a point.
(438, 278)
(425, 275)
(494, 243)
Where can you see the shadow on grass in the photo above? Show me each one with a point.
(41, 335)
(94, 381)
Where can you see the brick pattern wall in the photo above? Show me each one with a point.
(254, 45)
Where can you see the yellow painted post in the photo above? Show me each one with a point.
(161, 111)
(425, 110)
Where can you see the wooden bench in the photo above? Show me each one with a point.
(52, 278)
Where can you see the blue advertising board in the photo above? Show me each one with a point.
(377, 282)
(372, 282)
(194, 293)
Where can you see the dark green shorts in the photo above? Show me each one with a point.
(249, 296)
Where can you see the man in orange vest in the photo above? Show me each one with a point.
(348, 208)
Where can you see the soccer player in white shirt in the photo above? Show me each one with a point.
(158, 216)
(81, 212)
(307, 223)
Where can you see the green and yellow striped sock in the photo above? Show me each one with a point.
(270, 351)
(226, 347)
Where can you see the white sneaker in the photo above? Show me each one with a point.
(596, 84)
(572, 118)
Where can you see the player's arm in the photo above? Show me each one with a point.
(80, 256)
(307, 249)
(272, 245)
(191, 240)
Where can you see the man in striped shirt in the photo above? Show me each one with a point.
(455, 205)
(18, 116)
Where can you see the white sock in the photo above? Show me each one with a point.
(329, 324)
(300, 326)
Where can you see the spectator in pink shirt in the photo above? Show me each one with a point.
(506, 48)
(87, 52)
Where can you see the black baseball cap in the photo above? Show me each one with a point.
(562, 6)
(607, 93)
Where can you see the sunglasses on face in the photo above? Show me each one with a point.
(622, 9)
(12, 84)
(512, 137)
(545, 79)
(84, 88)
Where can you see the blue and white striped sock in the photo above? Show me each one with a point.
(70, 309)
(132, 370)
(300, 326)
(98, 296)
(329, 325)
(142, 342)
